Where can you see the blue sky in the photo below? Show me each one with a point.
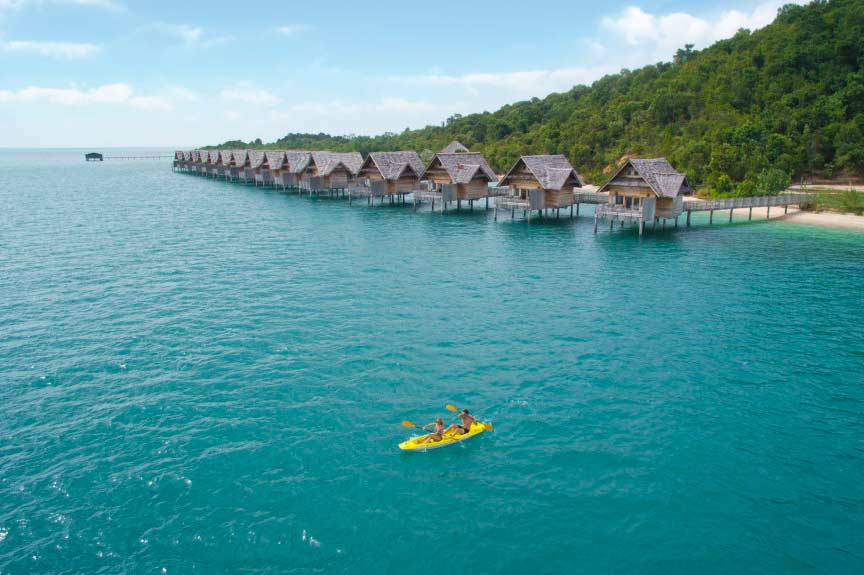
(157, 73)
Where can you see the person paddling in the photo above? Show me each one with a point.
(436, 435)
(467, 420)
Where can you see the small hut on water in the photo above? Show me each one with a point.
(390, 174)
(540, 183)
(274, 161)
(331, 171)
(293, 169)
(458, 176)
(644, 190)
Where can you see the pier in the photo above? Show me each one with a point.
(641, 192)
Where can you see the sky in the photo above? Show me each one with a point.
(100, 73)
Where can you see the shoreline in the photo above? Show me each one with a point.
(825, 219)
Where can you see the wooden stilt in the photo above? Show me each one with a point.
(577, 210)
(496, 209)
(710, 217)
(768, 213)
(676, 222)
(688, 218)
(641, 227)
(730, 215)
(596, 221)
(571, 211)
(750, 215)
(786, 209)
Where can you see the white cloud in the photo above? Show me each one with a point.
(116, 94)
(192, 36)
(293, 29)
(66, 50)
(656, 37)
(248, 94)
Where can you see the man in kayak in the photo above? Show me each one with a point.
(465, 427)
(436, 435)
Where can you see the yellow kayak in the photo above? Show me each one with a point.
(450, 438)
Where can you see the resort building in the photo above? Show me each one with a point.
(540, 183)
(331, 170)
(274, 162)
(644, 191)
(293, 169)
(457, 177)
(239, 164)
(389, 174)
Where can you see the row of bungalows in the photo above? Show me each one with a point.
(641, 190)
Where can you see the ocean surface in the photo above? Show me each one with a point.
(201, 377)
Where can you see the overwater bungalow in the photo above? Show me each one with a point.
(644, 191)
(210, 159)
(195, 166)
(331, 171)
(390, 174)
(220, 163)
(458, 176)
(240, 170)
(293, 169)
(540, 183)
(256, 158)
(274, 161)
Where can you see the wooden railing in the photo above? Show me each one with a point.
(796, 199)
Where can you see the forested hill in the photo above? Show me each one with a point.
(788, 96)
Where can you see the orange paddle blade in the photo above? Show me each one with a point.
(451, 408)
(406, 423)
(488, 426)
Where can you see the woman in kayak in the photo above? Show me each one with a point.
(436, 435)
(467, 422)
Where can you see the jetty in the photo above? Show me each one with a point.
(643, 192)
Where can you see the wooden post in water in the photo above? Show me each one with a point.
(577, 209)
(688, 218)
(710, 217)
(641, 227)
(730, 215)
(750, 215)
(768, 214)
(595, 223)
(786, 209)
(571, 211)
(676, 222)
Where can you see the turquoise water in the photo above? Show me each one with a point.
(206, 378)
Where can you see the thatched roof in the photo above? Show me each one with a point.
(392, 165)
(455, 147)
(275, 159)
(225, 157)
(196, 155)
(464, 167)
(178, 155)
(240, 157)
(326, 162)
(660, 176)
(187, 155)
(298, 161)
(256, 158)
(550, 171)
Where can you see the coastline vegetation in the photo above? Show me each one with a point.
(746, 116)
